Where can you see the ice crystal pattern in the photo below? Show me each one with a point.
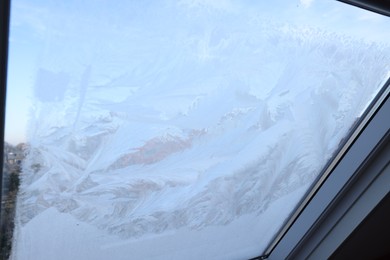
(190, 126)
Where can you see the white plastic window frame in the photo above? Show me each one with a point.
(347, 195)
(316, 218)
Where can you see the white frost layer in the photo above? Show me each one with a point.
(183, 116)
(55, 235)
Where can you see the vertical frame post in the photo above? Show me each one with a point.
(4, 33)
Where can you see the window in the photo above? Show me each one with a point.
(180, 129)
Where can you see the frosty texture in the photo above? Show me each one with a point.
(188, 115)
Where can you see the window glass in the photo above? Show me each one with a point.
(185, 129)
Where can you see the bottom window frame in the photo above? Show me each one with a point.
(356, 185)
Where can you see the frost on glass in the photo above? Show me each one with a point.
(180, 129)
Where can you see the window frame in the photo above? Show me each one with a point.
(312, 219)
(359, 176)
(4, 35)
(377, 6)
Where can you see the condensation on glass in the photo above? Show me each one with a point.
(177, 129)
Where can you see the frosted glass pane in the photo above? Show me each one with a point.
(179, 129)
